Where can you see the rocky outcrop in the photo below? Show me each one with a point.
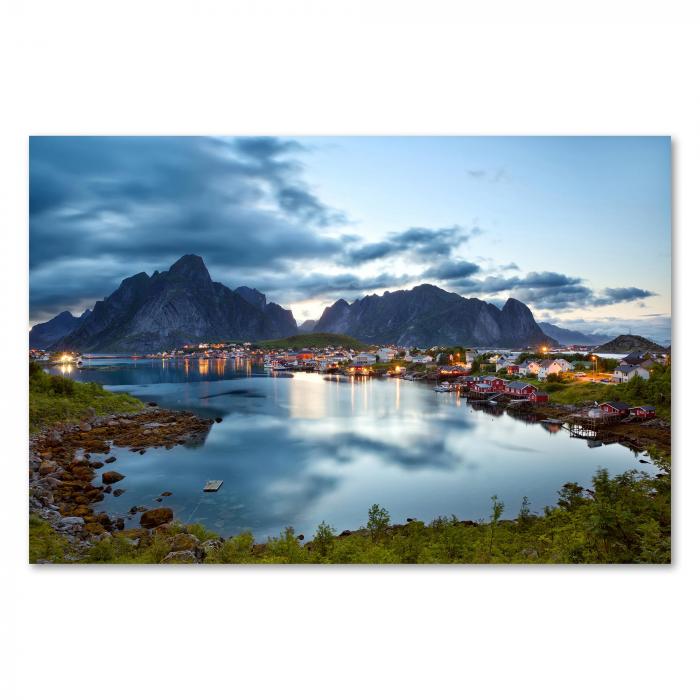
(170, 309)
(427, 315)
(156, 517)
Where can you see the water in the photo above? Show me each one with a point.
(296, 451)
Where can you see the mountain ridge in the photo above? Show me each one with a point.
(428, 315)
(170, 309)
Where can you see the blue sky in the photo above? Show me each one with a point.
(578, 228)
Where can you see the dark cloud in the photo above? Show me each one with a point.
(105, 208)
(452, 269)
(615, 295)
(415, 242)
(551, 290)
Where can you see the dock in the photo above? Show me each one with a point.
(213, 485)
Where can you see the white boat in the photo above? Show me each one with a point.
(441, 389)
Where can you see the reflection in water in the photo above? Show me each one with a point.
(295, 451)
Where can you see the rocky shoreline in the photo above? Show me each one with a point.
(638, 436)
(65, 460)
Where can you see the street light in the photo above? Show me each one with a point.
(595, 360)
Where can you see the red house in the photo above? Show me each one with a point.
(643, 411)
(615, 408)
(512, 369)
(521, 389)
(540, 397)
(496, 383)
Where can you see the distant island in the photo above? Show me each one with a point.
(630, 343)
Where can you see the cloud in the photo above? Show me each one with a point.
(108, 207)
(551, 290)
(415, 242)
(452, 269)
(616, 295)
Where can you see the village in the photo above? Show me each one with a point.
(522, 381)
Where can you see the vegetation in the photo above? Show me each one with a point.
(655, 391)
(621, 519)
(53, 399)
(313, 340)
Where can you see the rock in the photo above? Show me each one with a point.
(186, 557)
(119, 523)
(211, 545)
(410, 520)
(218, 419)
(166, 493)
(182, 542)
(111, 477)
(142, 452)
(47, 467)
(155, 517)
(118, 492)
(85, 427)
(97, 465)
(158, 500)
(109, 460)
(151, 403)
(54, 438)
(108, 489)
(71, 521)
(345, 533)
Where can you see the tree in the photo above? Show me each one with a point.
(324, 538)
(378, 521)
(525, 514)
(496, 512)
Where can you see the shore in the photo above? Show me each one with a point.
(64, 461)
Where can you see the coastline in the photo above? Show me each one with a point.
(65, 459)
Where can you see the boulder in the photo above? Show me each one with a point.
(71, 521)
(111, 477)
(166, 493)
(118, 492)
(186, 557)
(85, 427)
(109, 460)
(47, 467)
(183, 542)
(155, 517)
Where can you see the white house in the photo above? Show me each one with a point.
(530, 367)
(386, 354)
(502, 361)
(422, 359)
(364, 358)
(623, 373)
(565, 365)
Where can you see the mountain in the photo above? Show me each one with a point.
(630, 343)
(308, 326)
(427, 315)
(313, 340)
(44, 334)
(170, 309)
(569, 337)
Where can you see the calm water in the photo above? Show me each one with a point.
(295, 451)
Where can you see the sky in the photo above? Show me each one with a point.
(578, 228)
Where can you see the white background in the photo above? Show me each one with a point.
(323, 67)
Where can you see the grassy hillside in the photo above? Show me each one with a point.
(54, 399)
(313, 340)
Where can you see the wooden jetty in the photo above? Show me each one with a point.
(214, 485)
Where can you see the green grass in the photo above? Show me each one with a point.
(45, 544)
(54, 399)
(313, 340)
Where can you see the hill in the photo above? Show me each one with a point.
(566, 336)
(313, 340)
(169, 309)
(427, 315)
(630, 343)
